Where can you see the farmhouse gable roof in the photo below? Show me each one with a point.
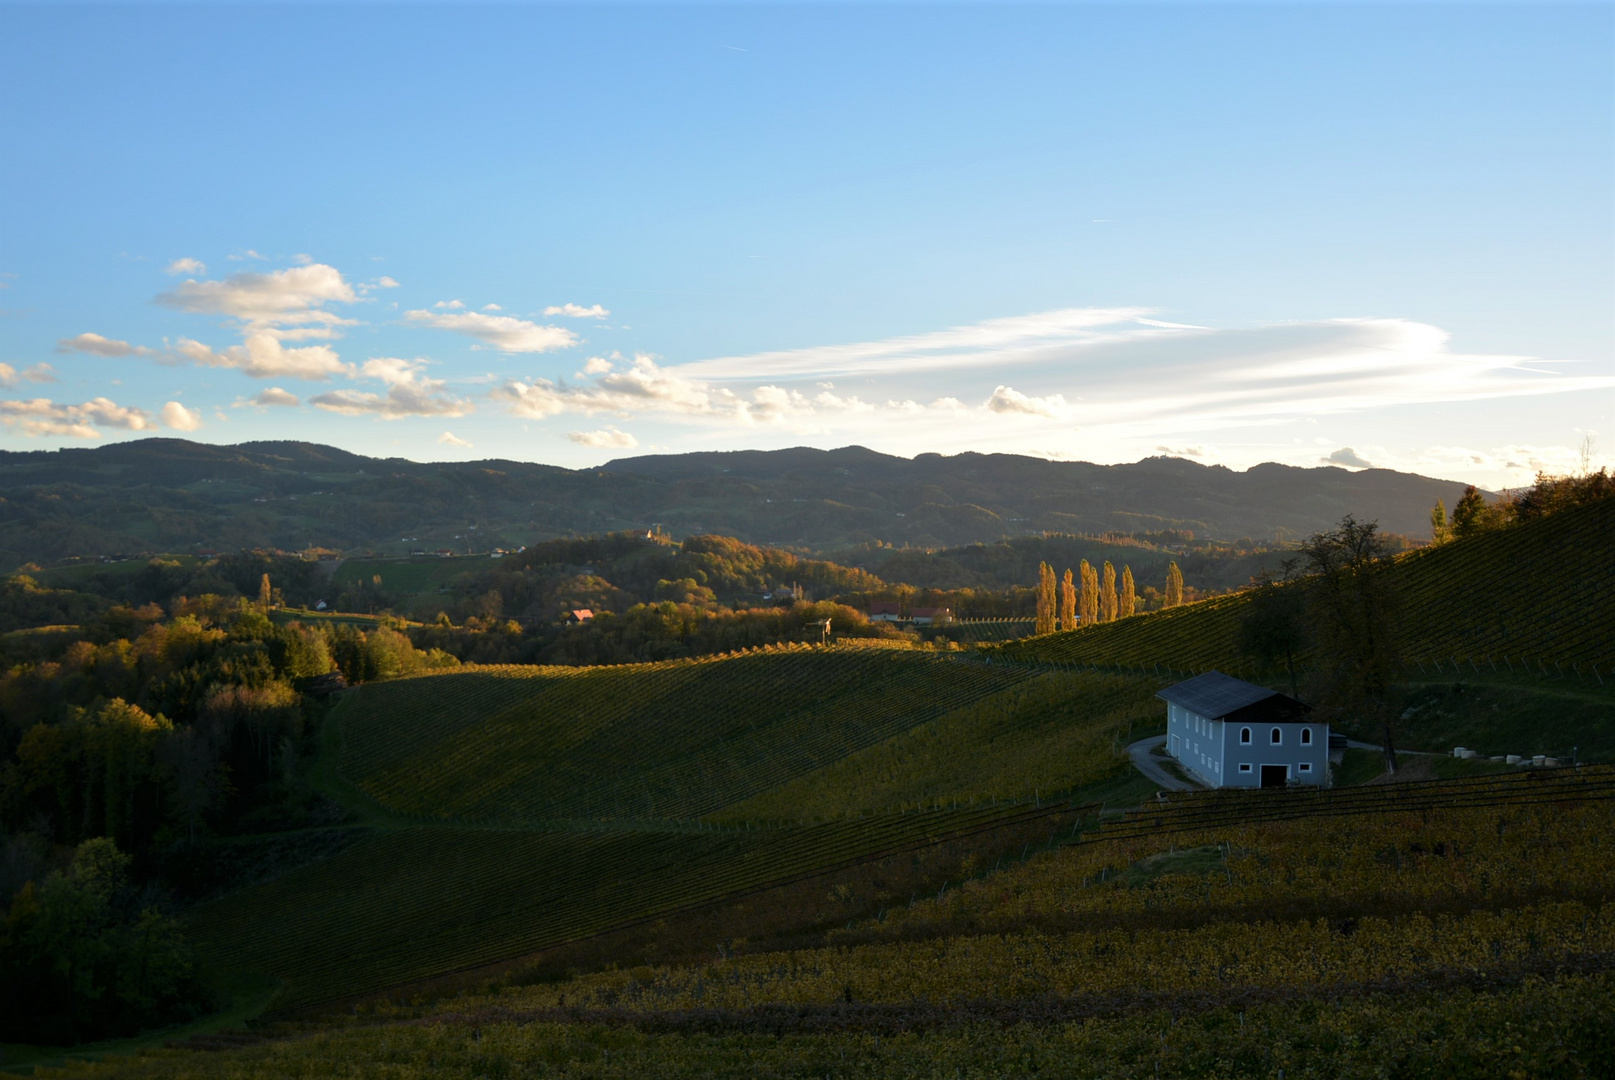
(1216, 696)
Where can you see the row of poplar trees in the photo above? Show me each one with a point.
(1096, 599)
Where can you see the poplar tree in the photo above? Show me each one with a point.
(1068, 602)
(1129, 598)
(1108, 604)
(1045, 599)
(1440, 531)
(1174, 586)
(1090, 594)
(265, 593)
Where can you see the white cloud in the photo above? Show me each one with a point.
(577, 311)
(262, 356)
(100, 346)
(10, 377)
(180, 418)
(605, 437)
(596, 365)
(41, 416)
(287, 304)
(384, 282)
(492, 307)
(1348, 457)
(1007, 400)
(502, 332)
(409, 393)
(186, 266)
(644, 386)
(983, 344)
(272, 396)
(449, 438)
(450, 305)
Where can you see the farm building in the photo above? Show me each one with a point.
(1230, 733)
(885, 611)
(925, 616)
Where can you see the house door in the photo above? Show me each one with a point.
(1275, 775)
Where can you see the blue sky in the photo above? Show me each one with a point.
(1367, 234)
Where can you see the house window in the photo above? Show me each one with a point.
(1278, 736)
(1306, 736)
(1306, 766)
(1244, 766)
(1245, 735)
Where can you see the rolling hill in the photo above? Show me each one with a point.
(172, 495)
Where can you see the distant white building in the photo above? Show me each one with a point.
(1230, 733)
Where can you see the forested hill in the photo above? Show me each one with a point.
(152, 495)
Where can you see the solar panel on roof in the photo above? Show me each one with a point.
(1214, 695)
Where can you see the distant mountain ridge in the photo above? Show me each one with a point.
(177, 495)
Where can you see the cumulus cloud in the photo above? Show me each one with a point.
(596, 365)
(1008, 400)
(449, 438)
(492, 307)
(383, 282)
(1348, 457)
(450, 305)
(262, 356)
(97, 345)
(186, 266)
(10, 377)
(504, 333)
(408, 393)
(577, 311)
(41, 416)
(272, 397)
(180, 418)
(287, 304)
(644, 386)
(605, 437)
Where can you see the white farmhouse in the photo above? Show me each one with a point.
(1230, 733)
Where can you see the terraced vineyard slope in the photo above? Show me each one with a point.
(420, 903)
(1536, 593)
(679, 739)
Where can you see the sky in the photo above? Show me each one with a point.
(1362, 235)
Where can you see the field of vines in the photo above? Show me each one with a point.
(1060, 732)
(1452, 929)
(1556, 1029)
(670, 740)
(417, 903)
(1527, 596)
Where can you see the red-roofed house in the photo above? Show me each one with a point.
(885, 612)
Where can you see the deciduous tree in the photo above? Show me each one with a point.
(1129, 598)
(1353, 612)
(1174, 586)
(1068, 602)
(1108, 602)
(1090, 594)
(1045, 599)
(1273, 627)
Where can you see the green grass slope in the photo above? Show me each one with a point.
(1538, 593)
(678, 739)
